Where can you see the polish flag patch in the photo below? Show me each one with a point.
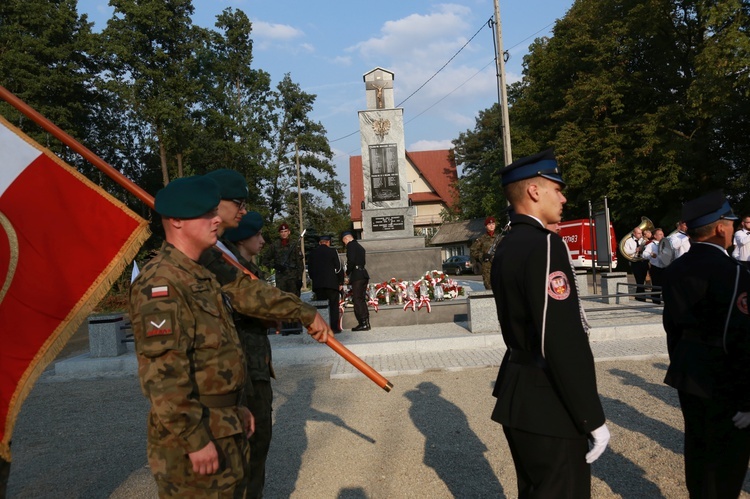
(159, 291)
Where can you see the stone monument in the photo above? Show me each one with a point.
(387, 216)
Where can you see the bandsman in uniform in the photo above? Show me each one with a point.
(708, 338)
(547, 399)
(480, 250)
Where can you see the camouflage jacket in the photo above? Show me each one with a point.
(253, 332)
(190, 358)
(287, 260)
(255, 297)
(482, 246)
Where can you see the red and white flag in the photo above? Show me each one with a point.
(63, 241)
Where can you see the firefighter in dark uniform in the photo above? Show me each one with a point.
(327, 274)
(358, 278)
(708, 338)
(547, 399)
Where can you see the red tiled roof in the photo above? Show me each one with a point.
(438, 170)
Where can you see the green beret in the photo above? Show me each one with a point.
(231, 183)
(187, 197)
(250, 225)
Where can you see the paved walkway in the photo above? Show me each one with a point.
(628, 331)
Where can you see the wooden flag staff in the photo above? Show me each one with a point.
(148, 199)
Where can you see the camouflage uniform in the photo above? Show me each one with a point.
(192, 369)
(254, 338)
(287, 260)
(479, 252)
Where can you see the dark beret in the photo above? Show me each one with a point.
(284, 226)
(231, 183)
(707, 209)
(489, 220)
(542, 164)
(250, 225)
(187, 197)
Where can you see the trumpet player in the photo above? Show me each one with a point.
(741, 240)
(634, 249)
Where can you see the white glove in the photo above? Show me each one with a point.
(741, 420)
(600, 439)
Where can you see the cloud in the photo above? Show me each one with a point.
(275, 32)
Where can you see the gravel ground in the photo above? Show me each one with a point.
(431, 437)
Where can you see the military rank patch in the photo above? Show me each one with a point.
(158, 324)
(558, 286)
(159, 291)
(742, 302)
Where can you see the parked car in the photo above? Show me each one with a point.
(459, 264)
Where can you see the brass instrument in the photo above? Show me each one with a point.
(645, 224)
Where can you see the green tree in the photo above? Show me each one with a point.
(292, 125)
(645, 102)
(45, 61)
(149, 47)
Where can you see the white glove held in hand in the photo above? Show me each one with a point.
(741, 420)
(600, 439)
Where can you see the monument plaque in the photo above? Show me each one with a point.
(384, 177)
(384, 224)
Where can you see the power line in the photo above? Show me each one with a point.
(443, 67)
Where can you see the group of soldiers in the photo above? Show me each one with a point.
(201, 311)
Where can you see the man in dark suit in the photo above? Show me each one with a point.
(327, 277)
(547, 399)
(358, 278)
(708, 338)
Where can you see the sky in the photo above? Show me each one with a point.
(328, 45)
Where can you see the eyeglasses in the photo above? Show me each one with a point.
(240, 203)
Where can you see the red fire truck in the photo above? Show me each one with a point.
(577, 234)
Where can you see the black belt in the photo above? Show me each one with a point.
(697, 336)
(525, 358)
(219, 401)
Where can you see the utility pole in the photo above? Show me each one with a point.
(301, 228)
(502, 88)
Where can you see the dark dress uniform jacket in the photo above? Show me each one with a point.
(708, 326)
(355, 262)
(546, 383)
(326, 270)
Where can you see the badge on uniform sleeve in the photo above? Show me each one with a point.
(558, 286)
(159, 291)
(158, 324)
(742, 302)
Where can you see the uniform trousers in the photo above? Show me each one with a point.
(332, 296)
(549, 466)
(174, 475)
(359, 300)
(640, 269)
(657, 278)
(290, 283)
(716, 451)
(260, 404)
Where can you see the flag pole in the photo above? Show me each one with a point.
(148, 199)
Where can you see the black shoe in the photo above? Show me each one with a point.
(365, 326)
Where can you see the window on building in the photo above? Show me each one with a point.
(409, 187)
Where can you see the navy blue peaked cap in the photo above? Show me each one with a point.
(707, 209)
(542, 164)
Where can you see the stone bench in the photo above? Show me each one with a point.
(107, 335)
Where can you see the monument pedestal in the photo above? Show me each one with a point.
(402, 258)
